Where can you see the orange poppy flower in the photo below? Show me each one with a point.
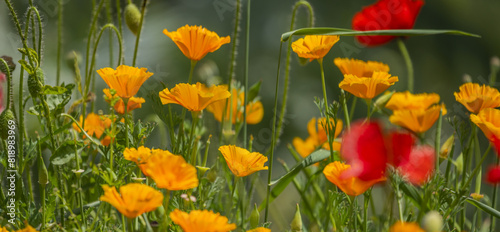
(314, 46)
(125, 80)
(201, 221)
(418, 120)
(26, 229)
(255, 109)
(196, 42)
(95, 125)
(367, 87)
(141, 155)
(241, 161)
(476, 97)
(194, 97)
(405, 227)
(133, 102)
(133, 200)
(359, 68)
(352, 186)
(317, 137)
(260, 229)
(488, 120)
(408, 101)
(171, 172)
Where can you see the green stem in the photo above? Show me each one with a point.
(59, 39)
(368, 109)
(110, 21)
(79, 183)
(494, 201)
(124, 225)
(437, 143)
(166, 203)
(327, 123)
(400, 205)
(273, 141)
(344, 108)
(247, 52)
(409, 65)
(194, 122)
(125, 101)
(143, 12)
(191, 71)
(119, 15)
(205, 156)
(365, 209)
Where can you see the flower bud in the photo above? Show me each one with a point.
(36, 82)
(382, 100)
(296, 224)
(447, 145)
(202, 170)
(133, 18)
(43, 174)
(254, 217)
(432, 222)
(212, 175)
(5, 117)
(10, 64)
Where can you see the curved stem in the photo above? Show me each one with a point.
(409, 65)
(143, 12)
(59, 39)
(273, 141)
(247, 51)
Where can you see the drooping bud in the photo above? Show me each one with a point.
(254, 217)
(5, 117)
(133, 18)
(432, 222)
(296, 224)
(10, 64)
(36, 81)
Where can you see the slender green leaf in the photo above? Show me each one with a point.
(254, 91)
(484, 207)
(348, 32)
(282, 182)
(47, 89)
(412, 192)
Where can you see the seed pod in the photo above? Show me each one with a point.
(132, 18)
(11, 65)
(254, 217)
(296, 224)
(5, 117)
(36, 83)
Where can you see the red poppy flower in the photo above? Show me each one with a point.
(493, 175)
(385, 15)
(363, 147)
(419, 166)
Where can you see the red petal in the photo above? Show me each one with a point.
(400, 146)
(364, 149)
(419, 166)
(493, 175)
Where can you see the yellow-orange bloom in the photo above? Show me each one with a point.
(408, 101)
(95, 125)
(133, 200)
(125, 80)
(352, 186)
(133, 102)
(141, 155)
(359, 68)
(171, 172)
(314, 46)
(317, 137)
(476, 97)
(418, 120)
(201, 221)
(260, 229)
(194, 97)
(26, 229)
(241, 161)
(405, 227)
(367, 87)
(488, 120)
(195, 41)
(255, 109)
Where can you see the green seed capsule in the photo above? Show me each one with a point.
(36, 83)
(5, 117)
(132, 18)
(296, 224)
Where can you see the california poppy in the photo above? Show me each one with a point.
(201, 221)
(352, 186)
(488, 120)
(314, 46)
(385, 15)
(360, 68)
(255, 109)
(125, 80)
(476, 97)
(367, 87)
(405, 227)
(171, 172)
(194, 97)
(241, 161)
(196, 42)
(133, 200)
(317, 137)
(133, 102)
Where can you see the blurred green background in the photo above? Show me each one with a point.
(440, 61)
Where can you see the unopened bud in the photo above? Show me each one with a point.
(447, 145)
(43, 174)
(10, 64)
(382, 100)
(466, 78)
(476, 196)
(202, 170)
(36, 81)
(495, 61)
(296, 224)
(5, 119)
(133, 18)
(433, 222)
(254, 217)
(212, 175)
(459, 162)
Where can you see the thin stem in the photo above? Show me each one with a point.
(408, 62)
(124, 226)
(273, 141)
(400, 204)
(344, 108)
(143, 12)
(110, 21)
(125, 102)
(437, 143)
(368, 109)
(165, 205)
(59, 39)
(194, 122)
(494, 201)
(247, 51)
(365, 209)
(327, 116)
(119, 15)
(191, 71)
(205, 156)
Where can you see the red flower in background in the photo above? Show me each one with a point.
(493, 175)
(385, 15)
(368, 152)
